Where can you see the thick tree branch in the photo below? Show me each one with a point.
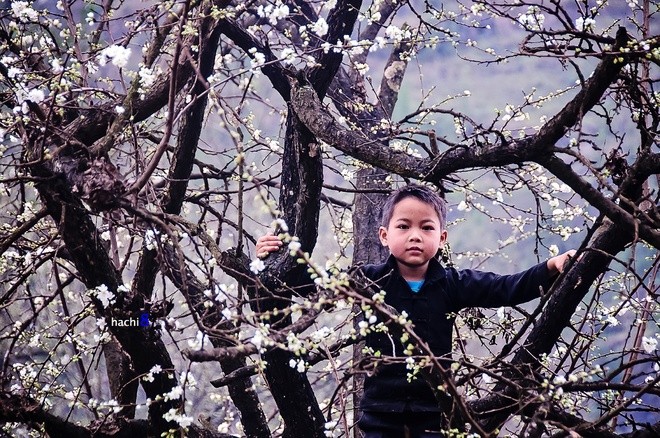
(183, 156)
(272, 68)
(242, 390)
(340, 22)
(608, 240)
(22, 409)
(615, 212)
(95, 267)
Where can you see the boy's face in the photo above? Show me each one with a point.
(413, 236)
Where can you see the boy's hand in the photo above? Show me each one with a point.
(557, 264)
(267, 244)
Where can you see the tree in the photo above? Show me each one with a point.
(146, 144)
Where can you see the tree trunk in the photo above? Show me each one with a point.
(300, 197)
(366, 249)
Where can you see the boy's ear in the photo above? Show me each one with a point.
(382, 235)
(443, 238)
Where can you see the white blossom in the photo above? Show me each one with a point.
(477, 9)
(186, 378)
(329, 427)
(113, 404)
(612, 320)
(294, 247)
(348, 174)
(274, 13)
(294, 344)
(297, 364)
(559, 380)
(363, 328)
(258, 339)
(153, 371)
(279, 223)
(288, 56)
(147, 77)
(258, 59)
(280, 12)
(321, 334)
(36, 96)
(361, 67)
(23, 11)
(104, 295)
(394, 33)
(14, 72)
(274, 145)
(533, 19)
(149, 236)
(222, 291)
(56, 66)
(649, 344)
(320, 28)
(584, 24)
(329, 4)
(182, 420)
(257, 265)
(174, 393)
(117, 54)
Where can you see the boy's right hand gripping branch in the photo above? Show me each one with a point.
(267, 244)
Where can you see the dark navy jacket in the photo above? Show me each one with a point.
(445, 291)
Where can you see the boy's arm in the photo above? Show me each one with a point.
(485, 289)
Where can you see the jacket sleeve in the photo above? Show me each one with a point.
(469, 288)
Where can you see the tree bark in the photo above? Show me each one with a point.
(95, 267)
(608, 240)
(241, 390)
(300, 205)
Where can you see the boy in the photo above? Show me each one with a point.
(413, 228)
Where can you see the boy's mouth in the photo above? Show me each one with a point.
(414, 248)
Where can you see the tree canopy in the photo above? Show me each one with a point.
(144, 147)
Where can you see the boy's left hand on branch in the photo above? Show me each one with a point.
(557, 264)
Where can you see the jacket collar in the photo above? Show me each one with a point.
(434, 273)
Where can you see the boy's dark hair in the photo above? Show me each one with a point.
(423, 193)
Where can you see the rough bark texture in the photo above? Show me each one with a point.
(88, 254)
(76, 178)
(608, 240)
(241, 390)
(300, 204)
(366, 249)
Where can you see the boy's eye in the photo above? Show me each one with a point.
(402, 226)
